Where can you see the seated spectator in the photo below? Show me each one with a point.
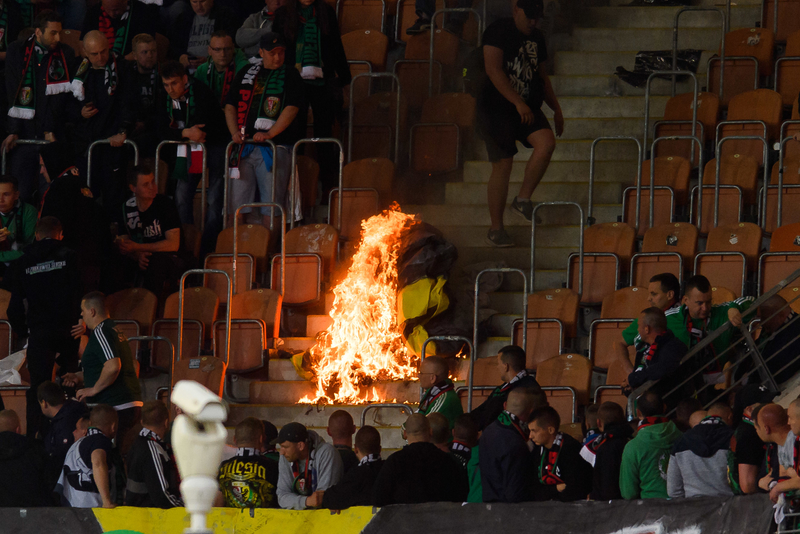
(341, 429)
(223, 64)
(645, 460)
(268, 449)
(81, 428)
(193, 30)
(152, 473)
(439, 393)
(64, 415)
(19, 222)
(562, 474)
(356, 487)
(87, 479)
(146, 93)
(506, 469)
(120, 20)
(419, 472)
(24, 464)
(255, 26)
(275, 120)
(249, 479)
(150, 233)
(307, 464)
(592, 423)
(662, 358)
(697, 417)
(684, 411)
(511, 364)
(772, 425)
(749, 455)
(779, 344)
(465, 438)
(604, 452)
(698, 466)
(441, 435)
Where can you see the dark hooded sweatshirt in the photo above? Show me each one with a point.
(604, 452)
(698, 466)
(485, 414)
(23, 463)
(356, 486)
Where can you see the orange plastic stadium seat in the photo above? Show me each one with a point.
(162, 47)
(566, 370)
(355, 15)
(308, 176)
(742, 75)
(485, 378)
(760, 105)
(357, 205)
(673, 245)
(200, 309)
(560, 303)
(545, 338)
(303, 278)
(604, 333)
(205, 370)
(787, 71)
(612, 392)
(731, 251)
(791, 295)
(721, 295)
(72, 38)
(730, 206)
(413, 75)
(625, 303)
(366, 52)
(734, 169)
(677, 122)
(663, 207)
(262, 304)
(782, 259)
(436, 143)
(370, 173)
(253, 240)
(320, 239)
(788, 18)
(374, 120)
(670, 171)
(608, 248)
(250, 330)
(791, 195)
(445, 47)
(134, 311)
(245, 274)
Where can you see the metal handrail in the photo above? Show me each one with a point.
(351, 112)
(472, 358)
(203, 179)
(700, 124)
(700, 169)
(227, 175)
(722, 66)
(106, 142)
(653, 255)
(656, 188)
(719, 164)
(22, 142)
(171, 369)
(272, 205)
(590, 219)
(560, 324)
(647, 102)
(403, 407)
(433, 34)
(533, 242)
(524, 302)
(592, 334)
(725, 26)
(781, 155)
(574, 398)
(777, 70)
(227, 308)
(200, 331)
(383, 13)
(293, 180)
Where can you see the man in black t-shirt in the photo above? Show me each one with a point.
(509, 110)
(150, 232)
(263, 104)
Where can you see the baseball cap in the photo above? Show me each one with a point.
(271, 40)
(533, 9)
(294, 432)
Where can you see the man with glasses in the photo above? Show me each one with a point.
(223, 64)
(440, 393)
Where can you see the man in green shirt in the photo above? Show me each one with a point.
(439, 393)
(224, 62)
(18, 222)
(108, 374)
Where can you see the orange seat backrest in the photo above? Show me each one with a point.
(571, 370)
(791, 172)
(673, 237)
(5, 298)
(136, 304)
(376, 173)
(617, 238)
(679, 108)
(752, 42)
(734, 169)
(616, 374)
(380, 109)
(624, 303)
(786, 239)
(486, 372)
(761, 105)
(319, 239)
(672, 171)
(208, 371)
(560, 303)
(199, 303)
(790, 295)
(456, 108)
(721, 295)
(307, 175)
(366, 45)
(264, 304)
(445, 47)
(253, 239)
(737, 237)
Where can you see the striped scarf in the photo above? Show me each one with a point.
(309, 59)
(111, 78)
(117, 38)
(56, 78)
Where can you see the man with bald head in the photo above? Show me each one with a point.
(341, 429)
(23, 463)
(778, 343)
(776, 425)
(419, 472)
(439, 393)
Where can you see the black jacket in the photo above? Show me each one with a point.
(419, 473)
(206, 111)
(573, 470)
(485, 414)
(224, 19)
(505, 464)
(152, 475)
(59, 437)
(116, 113)
(349, 458)
(47, 276)
(23, 463)
(355, 488)
(666, 360)
(144, 19)
(608, 461)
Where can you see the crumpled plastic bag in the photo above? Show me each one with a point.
(651, 61)
(424, 253)
(9, 368)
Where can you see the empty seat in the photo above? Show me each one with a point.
(357, 15)
(566, 371)
(740, 170)
(413, 75)
(245, 274)
(357, 205)
(263, 304)
(760, 105)
(678, 122)
(366, 52)
(200, 310)
(608, 248)
(253, 240)
(370, 173)
(436, 144)
(612, 391)
(616, 314)
(791, 295)
(748, 56)
(374, 124)
(445, 47)
(205, 370)
(72, 38)
(545, 340)
(486, 377)
(787, 70)
(670, 171)
(731, 203)
(791, 195)
(782, 259)
(731, 251)
(560, 303)
(134, 311)
(310, 256)
(788, 17)
(668, 248)
(625, 303)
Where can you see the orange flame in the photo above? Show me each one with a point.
(364, 344)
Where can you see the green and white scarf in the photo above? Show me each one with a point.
(56, 78)
(79, 91)
(309, 58)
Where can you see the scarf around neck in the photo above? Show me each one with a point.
(369, 459)
(507, 418)
(117, 38)
(548, 466)
(434, 393)
(507, 386)
(308, 59)
(652, 420)
(56, 78)
(226, 78)
(110, 81)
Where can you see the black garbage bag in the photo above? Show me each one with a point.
(424, 253)
(648, 62)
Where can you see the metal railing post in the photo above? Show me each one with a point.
(351, 112)
(316, 141)
(22, 142)
(171, 369)
(533, 244)
(226, 176)
(718, 165)
(472, 358)
(694, 139)
(725, 25)
(647, 104)
(203, 191)
(589, 216)
(524, 304)
(272, 205)
(227, 309)
(106, 142)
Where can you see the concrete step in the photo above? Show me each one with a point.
(273, 392)
(606, 62)
(297, 343)
(472, 193)
(614, 107)
(610, 85)
(635, 39)
(587, 128)
(472, 236)
(509, 302)
(502, 322)
(558, 171)
(742, 16)
(283, 370)
(471, 215)
(313, 415)
(575, 150)
(518, 257)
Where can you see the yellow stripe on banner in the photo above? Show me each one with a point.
(234, 521)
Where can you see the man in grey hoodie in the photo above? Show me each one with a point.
(307, 464)
(699, 463)
(248, 37)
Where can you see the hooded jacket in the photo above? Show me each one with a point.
(485, 414)
(23, 463)
(643, 473)
(698, 466)
(604, 452)
(324, 471)
(356, 487)
(506, 466)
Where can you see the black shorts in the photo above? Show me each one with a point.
(502, 129)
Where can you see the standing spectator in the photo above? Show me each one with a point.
(256, 26)
(223, 64)
(277, 91)
(152, 473)
(772, 425)
(779, 344)
(511, 365)
(506, 470)
(356, 487)
(341, 429)
(47, 277)
(87, 480)
(64, 415)
(37, 77)
(108, 374)
(307, 464)
(193, 31)
(749, 465)
(439, 393)
(441, 435)
(645, 460)
(249, 479)
(311, 30)
(604, 452)
(509, 110)
(562, 474)
(24, 464)
(19, 222)
(465, 439)
(419, 472)
(698, 466)
(147, 94)
(192, 114)
(10, 24)
(120, 20)
(151, 233)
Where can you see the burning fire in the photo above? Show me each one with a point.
(364, 344)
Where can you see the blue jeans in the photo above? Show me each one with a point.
(255, 175)
(185, 191)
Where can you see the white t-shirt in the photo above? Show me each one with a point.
(786, 451)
